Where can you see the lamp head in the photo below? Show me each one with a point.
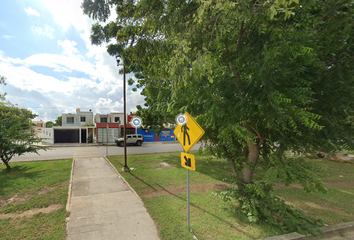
(118, 60)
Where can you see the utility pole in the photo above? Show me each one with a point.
(125, 168)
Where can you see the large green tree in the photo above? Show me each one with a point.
(261, 78)
(49, 124)
(58, 121)
(16, 137)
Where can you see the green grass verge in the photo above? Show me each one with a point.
(34, 185)
(152, 175)
(40, 226)
(335, 206)
(211, 218)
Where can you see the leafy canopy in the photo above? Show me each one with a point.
(260, 77)
(16, 137)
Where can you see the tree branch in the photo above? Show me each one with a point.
(259, 136)
(337, 6)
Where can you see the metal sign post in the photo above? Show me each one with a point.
(188, 219)
(107, 141)
(188, 133)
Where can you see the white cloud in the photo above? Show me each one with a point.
(68, 46)
(30, 11)
(46, 31)
(8, 37)
(66, 13)
(103, 95)
(90, 81)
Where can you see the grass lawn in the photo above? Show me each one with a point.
(160, 181)
(33, 186)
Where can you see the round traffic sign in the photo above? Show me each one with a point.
(136, 122)
(181, 119)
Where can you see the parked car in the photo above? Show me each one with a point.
(132, 139)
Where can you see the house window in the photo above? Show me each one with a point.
(70, 120)
(103, 119)
(116, 119)
(83, 119)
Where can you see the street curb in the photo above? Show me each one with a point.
(70, 187)
(68, 202)
(121, 177)
(337, 230)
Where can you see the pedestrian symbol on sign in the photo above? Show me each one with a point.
(185, 129)
(190, 130)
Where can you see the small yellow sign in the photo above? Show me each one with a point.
(188, 161)
(188, 133)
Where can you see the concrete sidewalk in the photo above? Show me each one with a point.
(102, 206)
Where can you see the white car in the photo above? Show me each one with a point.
(132, 139)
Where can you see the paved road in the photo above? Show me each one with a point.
(70, 152)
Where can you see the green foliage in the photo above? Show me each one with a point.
(258, 202)
(90, 139)
(49, 124)
(16, 137)
(260, 78)
(58, 121)
(89, 125)
(2, 81)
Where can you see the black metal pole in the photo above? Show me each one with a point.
(126, 168)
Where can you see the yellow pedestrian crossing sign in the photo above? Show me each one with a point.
(188, 132)
(188, 161)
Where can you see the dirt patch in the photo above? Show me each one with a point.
(340, 185)
(18, 198)
(45, 189)
(223, 186)
(165, 165)
(32, 212)
(183, 188)
(15, 199)
(327, 185)
(162, 166)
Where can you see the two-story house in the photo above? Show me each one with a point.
(77, 119)
(110, 126)
(38, 125)
(72, 129)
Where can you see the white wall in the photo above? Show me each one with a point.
(48, 135)
(88, 118)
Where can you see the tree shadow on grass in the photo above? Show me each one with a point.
(9, 179)
(233, 226)
(141, 180)
(229, 223)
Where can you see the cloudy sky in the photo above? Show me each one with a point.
(50, 65)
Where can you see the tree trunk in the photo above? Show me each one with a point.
(7, 165)
(234, 171)
(252, 159)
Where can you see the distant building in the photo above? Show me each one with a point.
(72, 129)
(38, 126)
(77, 119)
(110, 126)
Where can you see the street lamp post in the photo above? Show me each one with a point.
(125, 167)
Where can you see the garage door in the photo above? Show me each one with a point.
(66, 135)
(102, 134)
